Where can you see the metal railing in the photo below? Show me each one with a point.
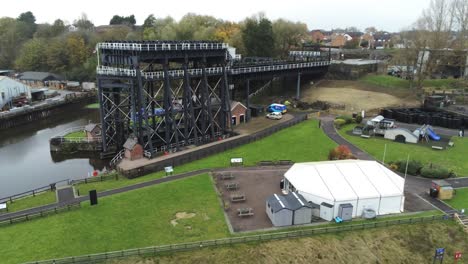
(162, 46)
(305, 53)
(155, 250)
(42, 213)
(112, 71)
(34, 192)
(117, 158)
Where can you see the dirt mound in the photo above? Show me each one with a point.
(356, 99)
(181, 215)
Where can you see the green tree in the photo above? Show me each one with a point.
(83, 23)
(288, 34)
(257, 35)
(28, 23)
(77, 50)
(57, 56)
(32, 56)
(121, 20)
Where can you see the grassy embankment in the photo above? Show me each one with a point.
(44, 198)
(397, 244)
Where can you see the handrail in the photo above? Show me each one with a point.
(113, 71)
(118, 157)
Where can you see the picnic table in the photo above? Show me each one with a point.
(227, 176)
(232, 186)
(238, 197)
(245, 211)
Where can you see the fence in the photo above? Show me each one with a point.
(205, 151)
(155, 250)
(42, 213)
(39, 190)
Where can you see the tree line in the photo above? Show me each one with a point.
(68, 49)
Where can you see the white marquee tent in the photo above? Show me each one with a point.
(363, 184)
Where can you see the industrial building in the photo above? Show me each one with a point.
(347, 187)
(10, 90)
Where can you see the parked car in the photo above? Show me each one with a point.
(274, 115)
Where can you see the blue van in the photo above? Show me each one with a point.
(277, 108)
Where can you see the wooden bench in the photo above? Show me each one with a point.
(232, 186)
(245, 212)
(227, 176)
(238, 197)
(438, 147)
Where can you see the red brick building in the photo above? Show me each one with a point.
(238, 113)
(133, 150)
(93, 132)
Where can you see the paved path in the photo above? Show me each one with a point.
(65, 194)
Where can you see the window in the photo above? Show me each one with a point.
(3, 95)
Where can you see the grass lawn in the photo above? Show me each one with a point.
(460, 200)
(134, 219)
(93, 106)
(77, 134)
(453, 158)
(300, 143)
(395, 82)
(32, 201)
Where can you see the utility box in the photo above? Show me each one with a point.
(326, 211)
(345, 211)
(444, 189)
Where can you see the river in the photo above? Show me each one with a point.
(25, 159)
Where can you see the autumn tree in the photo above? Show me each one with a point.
(32, 56)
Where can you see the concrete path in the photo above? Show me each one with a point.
(65, 194)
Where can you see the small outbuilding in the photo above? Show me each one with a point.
(93, 131)
(287, 210)
(133, 150)
(278, 211)
(238, 113)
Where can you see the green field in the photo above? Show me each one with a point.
(32, 201)
(397, 244)
(395, 82)
(93, 106)
(302, 142)
(453, 158)
(77, 134)
(460, 199)
(134, 219)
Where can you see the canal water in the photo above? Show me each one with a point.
(25, 159)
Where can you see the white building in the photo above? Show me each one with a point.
(361, 184)
(10, 88)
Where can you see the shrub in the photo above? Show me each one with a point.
(358, 119)
(339, 123)
(414, 166)
(340, 153)
(347, 118)
(435, 172)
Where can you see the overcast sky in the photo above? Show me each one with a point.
(390, 15)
